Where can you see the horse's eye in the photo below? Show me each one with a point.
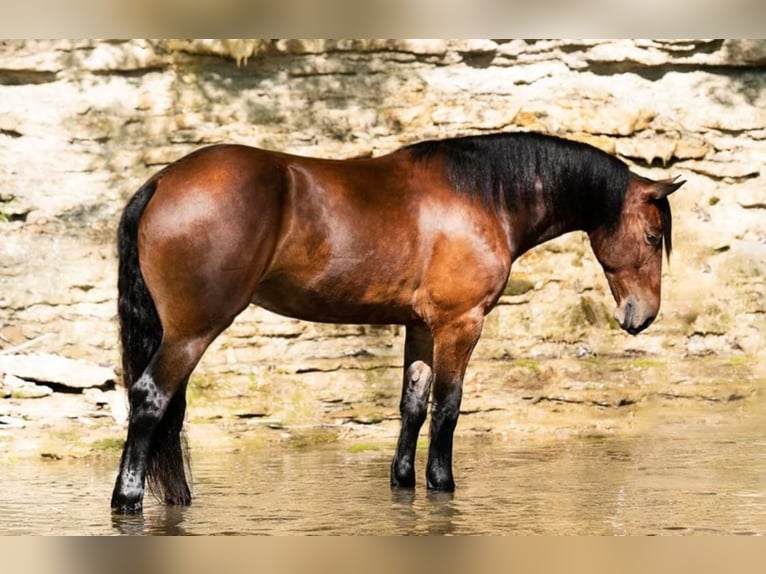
(652, 238)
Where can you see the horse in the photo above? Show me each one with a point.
(422, 237)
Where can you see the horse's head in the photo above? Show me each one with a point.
(630, 251)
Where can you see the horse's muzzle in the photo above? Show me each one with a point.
(632, 317)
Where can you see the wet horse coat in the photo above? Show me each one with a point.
(423, 237)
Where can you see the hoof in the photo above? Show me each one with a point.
(402, 481)
(127, 508)
(442, 487)
(441, 482)
(402, 475)
(127, 503)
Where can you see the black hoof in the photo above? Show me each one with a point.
(123, 503)
(127, 508)
(441, 482)
(445, 487)
(402, 481)
(402, 475)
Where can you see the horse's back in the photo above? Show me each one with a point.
(349, 245)
(382, 240)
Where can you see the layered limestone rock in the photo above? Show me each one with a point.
(84, 123)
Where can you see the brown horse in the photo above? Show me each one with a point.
(423, 237)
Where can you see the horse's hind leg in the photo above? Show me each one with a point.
(153, 446)
(418, 358)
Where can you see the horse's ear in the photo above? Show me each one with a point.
(656, 190)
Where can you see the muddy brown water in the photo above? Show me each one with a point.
(682, 476)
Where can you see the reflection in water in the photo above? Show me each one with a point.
(680, 480)
(444, 515)
(157, 520)
(434, 513)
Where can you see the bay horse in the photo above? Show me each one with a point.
(422, 237)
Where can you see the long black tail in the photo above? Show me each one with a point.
(140, 336)
(140, 327)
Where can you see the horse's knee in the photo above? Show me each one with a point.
(418, 378)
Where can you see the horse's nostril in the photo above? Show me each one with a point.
(628, 319)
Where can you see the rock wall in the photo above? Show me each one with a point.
(83, 123)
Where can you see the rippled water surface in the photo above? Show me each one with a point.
(684, 480)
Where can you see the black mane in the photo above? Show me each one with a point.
(579, 181)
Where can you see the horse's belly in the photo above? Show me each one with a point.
(363, 302)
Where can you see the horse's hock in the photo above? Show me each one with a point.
(124, 109)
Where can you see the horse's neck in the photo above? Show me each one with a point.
(529, 228)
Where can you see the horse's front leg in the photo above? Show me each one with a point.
(413, 407)
(453, 344)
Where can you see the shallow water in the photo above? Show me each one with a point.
(685, 478)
